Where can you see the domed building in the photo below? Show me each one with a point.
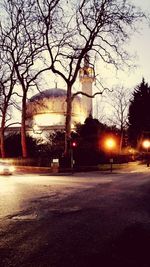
(47, 110)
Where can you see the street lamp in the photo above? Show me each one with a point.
(146, 145)
(73, 147)
(110, 144)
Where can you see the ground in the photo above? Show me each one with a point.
(80, 220)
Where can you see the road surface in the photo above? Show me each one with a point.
(82, 220)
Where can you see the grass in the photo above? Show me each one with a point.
(115, 166)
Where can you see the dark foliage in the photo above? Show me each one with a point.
(57, 140)
(13, 146)
(138, 116)
(53, 148)
(89, 150)
(85, 145)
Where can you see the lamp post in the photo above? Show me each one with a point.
(73, 146)
(110, 145)
(146, 145)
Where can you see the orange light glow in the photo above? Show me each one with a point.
(146, 144)
(110, 143)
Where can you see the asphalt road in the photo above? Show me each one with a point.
(85, 220)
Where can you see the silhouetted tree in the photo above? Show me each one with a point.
(7, 83)
(13, 146)
(90, 141)
(21, 38)
(139, 110)
(95, 26)
(119, 101)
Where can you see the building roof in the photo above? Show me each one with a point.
(49, 93)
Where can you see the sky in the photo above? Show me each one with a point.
(140, 46)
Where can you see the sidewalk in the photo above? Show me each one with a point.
(33, 169)
(50, 171)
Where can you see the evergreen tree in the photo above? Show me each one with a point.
(90, 148)
(139, 110)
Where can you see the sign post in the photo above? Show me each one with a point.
(111, 163)
(55, 165)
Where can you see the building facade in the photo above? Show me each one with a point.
(47, 109)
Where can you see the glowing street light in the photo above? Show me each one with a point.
(146, 145)
(110, 144)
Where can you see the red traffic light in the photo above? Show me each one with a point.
(74, 144)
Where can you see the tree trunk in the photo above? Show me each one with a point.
(121, 139)
(23, 128)
(68, 121)
(3, 152)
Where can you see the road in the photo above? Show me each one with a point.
(80, 220)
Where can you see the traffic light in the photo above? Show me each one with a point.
(74, 144)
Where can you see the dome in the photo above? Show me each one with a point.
(48, 108)
(54, 92)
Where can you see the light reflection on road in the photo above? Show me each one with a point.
(9, 200)
(6, 186)
(20, 192)
(17, 191)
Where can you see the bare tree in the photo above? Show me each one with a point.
(119, 101)
(21, 36)
(7, 82)
(98, 27)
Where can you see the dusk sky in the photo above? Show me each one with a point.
(141, 43)
(138, 47)
(128, 78)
